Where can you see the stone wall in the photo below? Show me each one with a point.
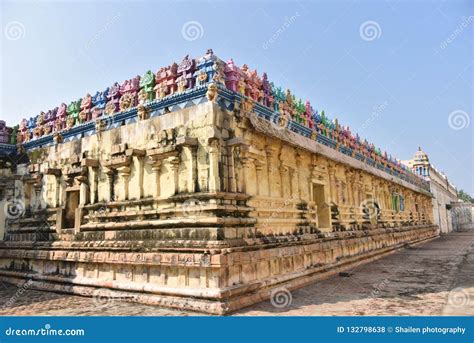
(203, 207)
(462, 216)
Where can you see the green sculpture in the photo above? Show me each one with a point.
(147, 82)
(74, 108)
(13, 135)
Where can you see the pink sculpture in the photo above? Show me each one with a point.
(3, 132)
(186, 69)
(23, 133)
(61, 117)
(86, 106)
(232, 74)
(114, 99)
(165, 80)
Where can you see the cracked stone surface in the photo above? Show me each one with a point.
(436, 278)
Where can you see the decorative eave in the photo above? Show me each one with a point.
(227, 100)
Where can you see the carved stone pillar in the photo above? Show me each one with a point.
(285, 181)
(138, 163)
(259, 176)
(271, 169)
(231, 168)
(93, 173)
(173, 164)
(214, 180)
(110, 180)
(299, 166)
(332, 183)
(294, 183)
(57, 191)
(83, 182)
(56, 176)
(124, 178)
(156, 168)
(37, 188)
(350, 187)
(90, 169)
(189, 148)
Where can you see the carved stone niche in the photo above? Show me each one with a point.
(33, 182)
(74, 171)
(167, 149)
(120, 164)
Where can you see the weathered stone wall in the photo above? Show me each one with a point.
(203, 208)
(462, 216)
(442, 202)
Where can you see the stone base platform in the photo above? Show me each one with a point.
(216, 281)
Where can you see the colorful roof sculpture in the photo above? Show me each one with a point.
(190, 74)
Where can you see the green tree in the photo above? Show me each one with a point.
(464, 196)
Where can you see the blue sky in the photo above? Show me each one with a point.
(396, 83)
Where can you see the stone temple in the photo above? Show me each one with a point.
(202, 186)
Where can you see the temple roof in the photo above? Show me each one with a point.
(184, 84)
(421, 157)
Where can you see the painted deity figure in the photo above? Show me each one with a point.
(61, 117)
(254, 84)
(186, 70)
(50, 116)
(3, 132)
(86, 107)
(73, 110)
(165, 81)
(244, 87)
(232, 75)
(161, 90)
(38, 131)
(218, 72)
(113, 99)
(31, 123)
(300, 112)
(267, 97)
(278, 95)
(23, 133)
(99, 100)
(201, 78)
(147, 83)
(131, 86)
(13, 135)
(182, 83)
(308, 114)
(40, 119)
(129, 90)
